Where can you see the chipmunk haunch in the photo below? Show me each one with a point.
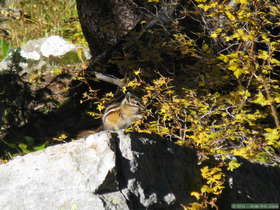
(120, 115)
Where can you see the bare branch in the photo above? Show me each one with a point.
(110, 79)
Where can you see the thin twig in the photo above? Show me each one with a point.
(272, 107)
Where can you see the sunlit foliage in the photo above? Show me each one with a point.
(225, 101)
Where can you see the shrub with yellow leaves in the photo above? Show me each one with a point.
(220, 95)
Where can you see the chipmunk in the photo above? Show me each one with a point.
(120, 115)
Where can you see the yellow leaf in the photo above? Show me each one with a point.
(206, 7)
(233, 164)
(216, 32)
(272, 136)
(242, 1)
(196, 195)
(62, 137)
(124, 89)
(263, 55)
(265, 37)
(230, 16)
(275, 61)
(206, 189)
(277, 99)
(110, 94)
(137, 72)
(132, 83)
(214, 35)
(261, 100)
(238, 72)
(100, 107)
(223, 58)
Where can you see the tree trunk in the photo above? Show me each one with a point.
(104, 23)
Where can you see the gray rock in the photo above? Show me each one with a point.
(43, 53)
(103, 171)
(114, 171)
(59, 177)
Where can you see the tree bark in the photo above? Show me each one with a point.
(105, 23)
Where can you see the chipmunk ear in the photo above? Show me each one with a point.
(128, 96)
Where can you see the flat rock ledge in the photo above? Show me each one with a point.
(103, 171)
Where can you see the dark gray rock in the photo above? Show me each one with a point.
(251, 183)
(156, 174)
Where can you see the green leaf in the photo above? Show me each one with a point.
(4, 48)
(40, 147)
(23, 148)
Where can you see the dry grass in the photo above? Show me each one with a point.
(43, 18)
